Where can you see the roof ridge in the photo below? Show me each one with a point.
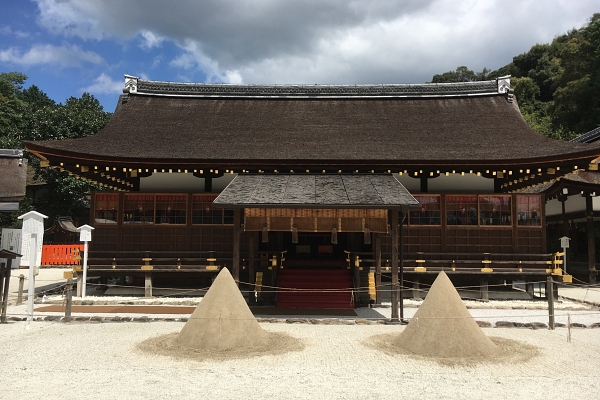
(135, 85)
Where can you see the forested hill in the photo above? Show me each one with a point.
(557, 85)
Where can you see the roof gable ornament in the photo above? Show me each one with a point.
(504, 87)
(131, 84)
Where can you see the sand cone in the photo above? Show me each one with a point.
(443, 327)
(222, 320)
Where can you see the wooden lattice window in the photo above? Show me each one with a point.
(139, 208)
(529, 210)
(429, 214)
(203, 212)
(106, 208)
(171, 209)
(461, 210)
(495, 210)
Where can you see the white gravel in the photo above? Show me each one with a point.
(54, 360)
(100, 360)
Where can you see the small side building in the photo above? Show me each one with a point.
(12, 179)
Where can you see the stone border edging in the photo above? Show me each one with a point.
(312, 321)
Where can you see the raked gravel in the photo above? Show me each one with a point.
(54, 360)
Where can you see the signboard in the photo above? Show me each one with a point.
(85, 233)
(25, 243)
(564, 242)
(11, 241)
(33, 224)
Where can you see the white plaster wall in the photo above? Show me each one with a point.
(181, 183)
(573, 204)
(413, 185)
(221, 183)
(172, 183)
(456, 183)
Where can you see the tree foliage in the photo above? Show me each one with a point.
(557, 85)
(462, 74)
(29, 114)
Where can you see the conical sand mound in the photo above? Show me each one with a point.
(222, 320)
(443, 327)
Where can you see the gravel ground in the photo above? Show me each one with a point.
(55, 360)
(102, 360)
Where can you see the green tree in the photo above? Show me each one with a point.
(12, 108)
(462, 74)
(557, 84)
(29, 114)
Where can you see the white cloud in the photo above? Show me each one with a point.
(69, 18)
(150, 40)
(7, 30)
(40, 54)
(104, 84)
(193, 57)
(323, 41)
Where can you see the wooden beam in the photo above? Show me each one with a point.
(589, 209)
(148, 284)
(377, 268)
(236, 244)
(394, 294)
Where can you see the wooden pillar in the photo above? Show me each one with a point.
(207, 185)
(550, 297)
(378, 269)
(69, 303)
(120, 217)
(357, 288)
(565, 222)
(20, 292)
(79, 277)
(251, 271)
(5, 277)
(401, 262)
(589, 213)
(485, 294)
(515, 225)
(424, 188)
(236, 245)
(443, 226)
(148, 284)
(529, 289)
(394, 288)
(416, 290)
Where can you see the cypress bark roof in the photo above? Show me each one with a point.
(12, 178)
(323, 191)
(452, 123)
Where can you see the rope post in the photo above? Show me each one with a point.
(20, 292)
(416, 290)
(484, 290)
(550, 296)
(69, 293)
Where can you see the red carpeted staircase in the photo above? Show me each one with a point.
(316, 288)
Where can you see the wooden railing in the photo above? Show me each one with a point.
(61, 254)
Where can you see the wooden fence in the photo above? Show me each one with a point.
(61, 254)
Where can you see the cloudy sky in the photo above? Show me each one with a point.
(67, 47)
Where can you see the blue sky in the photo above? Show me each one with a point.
(67, 47)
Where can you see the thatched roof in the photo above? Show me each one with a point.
(423, 129)
(12, 178)
(429, 124)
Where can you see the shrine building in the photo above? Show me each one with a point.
(269, 179)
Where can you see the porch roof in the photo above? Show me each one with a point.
(316, 191)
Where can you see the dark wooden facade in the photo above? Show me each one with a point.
(422, 131)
